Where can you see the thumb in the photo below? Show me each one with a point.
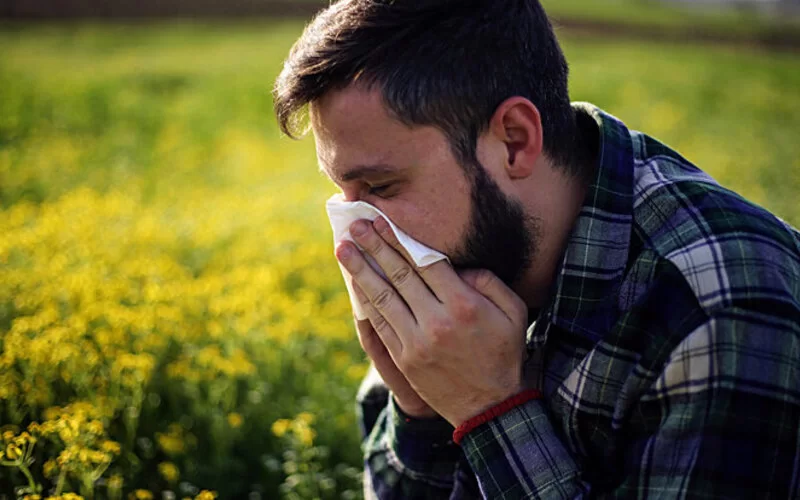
(490, 286)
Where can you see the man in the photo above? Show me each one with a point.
(614, 323)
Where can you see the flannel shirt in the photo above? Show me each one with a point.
(668, 354)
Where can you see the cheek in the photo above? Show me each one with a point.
(439, 220)
(450, 213)
(453, 223)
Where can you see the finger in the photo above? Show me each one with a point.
(399, 268)
(439, 277)
(385, 231)
(371, 342)
(377, 298)
(387, 337)
(382, 363)
(490, 286)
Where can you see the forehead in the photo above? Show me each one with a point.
(350, 105)
(353, 127)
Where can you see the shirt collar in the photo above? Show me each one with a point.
(592, 269)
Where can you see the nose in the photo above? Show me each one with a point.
(350, 194)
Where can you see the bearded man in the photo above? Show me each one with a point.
(610, 322)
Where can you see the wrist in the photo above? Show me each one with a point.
(478, 407)
(495, 411)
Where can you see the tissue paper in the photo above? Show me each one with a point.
(343, 213)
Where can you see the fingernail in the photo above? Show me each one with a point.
(344, 253)
(381, 225)
(359, 228)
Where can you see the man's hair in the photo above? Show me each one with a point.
(445, 63)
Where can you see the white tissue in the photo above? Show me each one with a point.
(343, 213)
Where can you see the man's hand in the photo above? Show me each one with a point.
(404, 395)
(458, 339)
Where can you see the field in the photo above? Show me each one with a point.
(172, 320)
(677, 16)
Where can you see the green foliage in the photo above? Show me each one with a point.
(738, 20)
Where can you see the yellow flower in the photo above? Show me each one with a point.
(67, 434)
(280, 427)
(24, 439)
(64, 457)
(141, 495)
(206, 495)
(173, 441)
(95, 427)
(13, 452)
(115, 482)
(50, 468)
(169, 471)
(235, 420)
(305, 417)
(304, 434)
(111, 447)
(99, 457)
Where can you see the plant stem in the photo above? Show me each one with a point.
(60, 483)
(31, 483)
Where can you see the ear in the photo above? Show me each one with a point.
(517, 123)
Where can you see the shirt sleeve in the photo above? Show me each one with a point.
(721, 421)
(406, 457)
(519, 455)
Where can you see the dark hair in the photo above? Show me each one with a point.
(446, 63)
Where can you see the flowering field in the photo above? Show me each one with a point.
(172, 320)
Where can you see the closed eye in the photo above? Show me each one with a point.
(379, 190)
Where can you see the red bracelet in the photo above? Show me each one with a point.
(494, 412)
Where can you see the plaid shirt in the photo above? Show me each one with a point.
(669, 355)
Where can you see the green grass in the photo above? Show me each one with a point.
(737, 22)
(107, 93)
(158, 142)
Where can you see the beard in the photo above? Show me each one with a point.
(500, 237)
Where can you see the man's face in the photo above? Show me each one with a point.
(411, 174)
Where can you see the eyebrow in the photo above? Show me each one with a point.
(362, 171)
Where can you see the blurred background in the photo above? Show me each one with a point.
(172, 320)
